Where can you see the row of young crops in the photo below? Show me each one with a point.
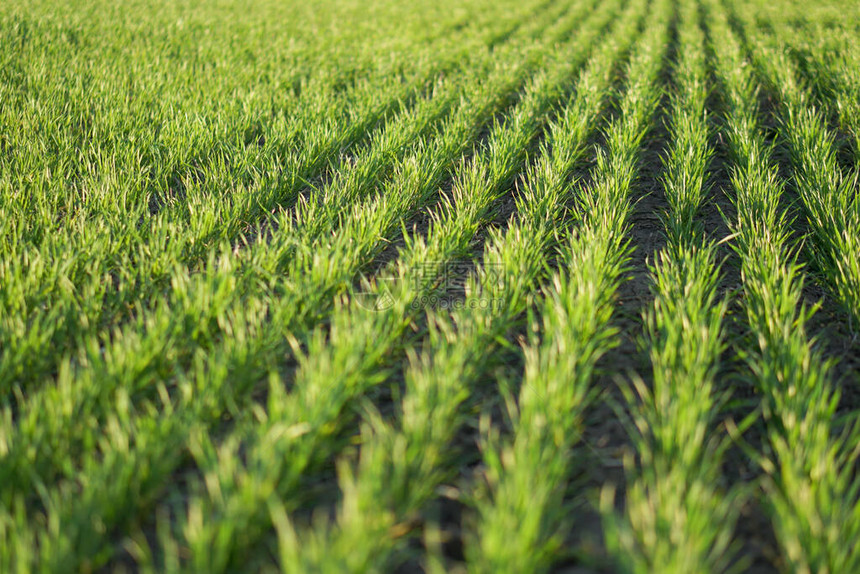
(498, 286)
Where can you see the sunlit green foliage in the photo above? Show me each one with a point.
(282, 283)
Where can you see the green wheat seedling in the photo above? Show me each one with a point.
(335, 285)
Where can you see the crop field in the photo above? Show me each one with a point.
(499, 286)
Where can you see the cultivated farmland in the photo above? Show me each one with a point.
(484, 286)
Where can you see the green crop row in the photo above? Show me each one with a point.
(677, 517)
